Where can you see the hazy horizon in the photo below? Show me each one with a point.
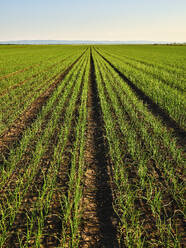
(50, 42)
(119, 20)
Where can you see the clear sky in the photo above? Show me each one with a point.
(124, 20)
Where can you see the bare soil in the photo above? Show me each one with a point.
(99, 220)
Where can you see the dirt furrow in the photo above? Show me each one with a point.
(98, 229)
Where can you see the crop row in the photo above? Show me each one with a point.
(29, 177)
(87, 157)
(170, 59)
(146, 165)
(18, 99)
(164, 88)
(15, 60)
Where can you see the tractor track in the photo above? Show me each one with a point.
(99, 220)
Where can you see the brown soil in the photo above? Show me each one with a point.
(99, 220)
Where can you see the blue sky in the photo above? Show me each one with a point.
(157, 20)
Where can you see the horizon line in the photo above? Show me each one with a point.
(79, 40)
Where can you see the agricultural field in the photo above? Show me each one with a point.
(92, 146)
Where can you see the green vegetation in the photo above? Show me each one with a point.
(138, 98)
